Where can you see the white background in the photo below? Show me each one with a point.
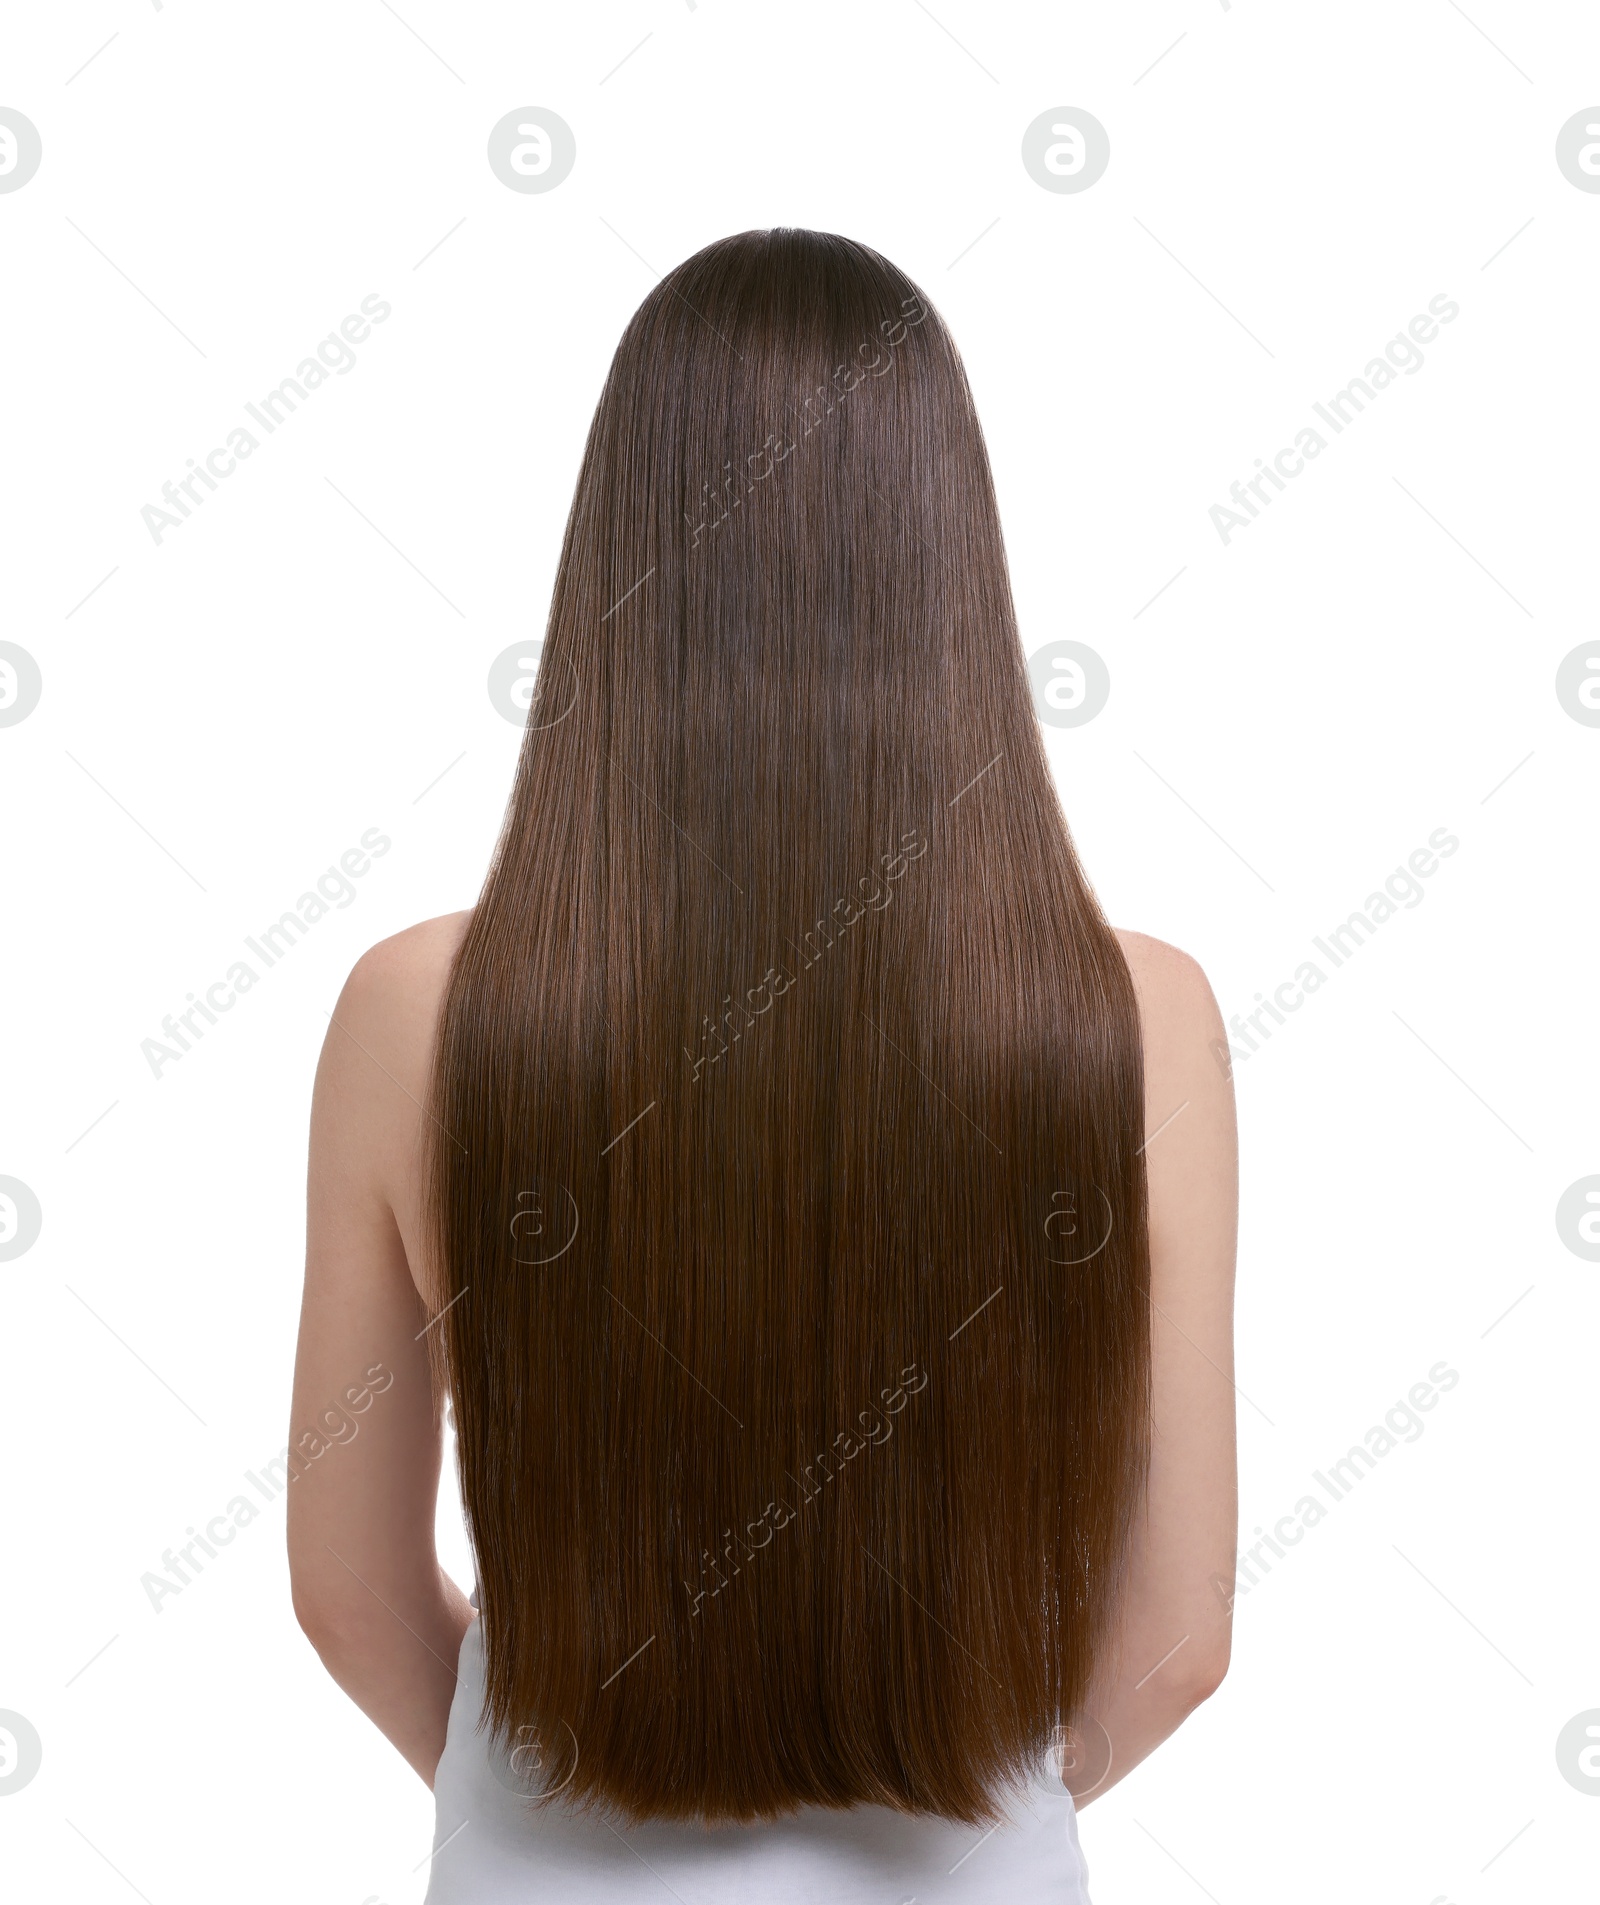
(224, 714)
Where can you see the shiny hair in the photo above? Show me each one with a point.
(786, 1181)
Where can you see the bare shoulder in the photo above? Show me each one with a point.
(1189, 1114)
(1185, 1052)
(1177, 1007)
(374, 1074)
(414, 961)
(391, 999)
(369, 1118)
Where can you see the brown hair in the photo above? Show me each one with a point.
(786, 1177)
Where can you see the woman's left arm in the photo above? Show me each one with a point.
(366, 1435)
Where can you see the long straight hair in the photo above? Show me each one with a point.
(786, 1181)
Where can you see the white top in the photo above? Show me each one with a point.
(491, 1847)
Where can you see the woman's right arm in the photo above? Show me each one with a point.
(1175, 1624)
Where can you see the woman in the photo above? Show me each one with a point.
(819, 1220)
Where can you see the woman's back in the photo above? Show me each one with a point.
(770, 1147)
(491, 1843)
